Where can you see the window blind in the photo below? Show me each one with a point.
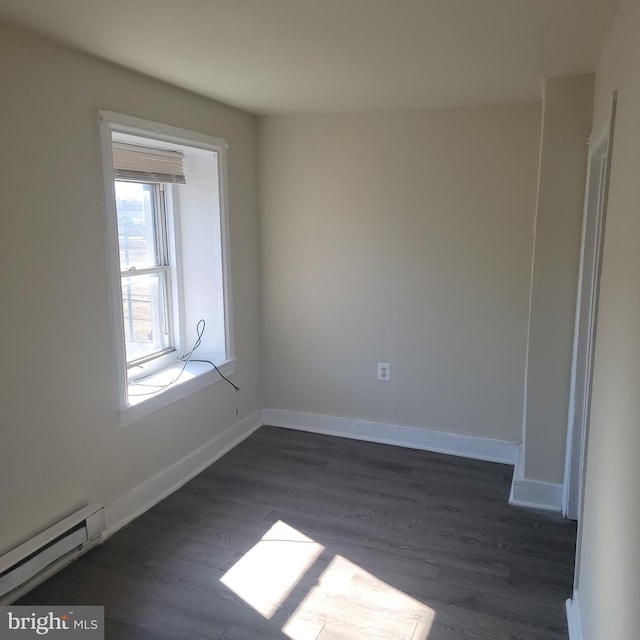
(143, 164)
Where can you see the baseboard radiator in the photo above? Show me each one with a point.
(41, 556)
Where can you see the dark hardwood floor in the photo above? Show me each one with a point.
(301, 536)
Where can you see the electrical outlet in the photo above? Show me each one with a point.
(384, 371)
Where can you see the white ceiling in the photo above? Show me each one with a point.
(288, 56)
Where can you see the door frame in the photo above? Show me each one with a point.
(592, 241)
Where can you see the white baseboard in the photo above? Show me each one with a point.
(538, 495)
(574, 619)
(534, 493)
(158, 487)
(412, 437)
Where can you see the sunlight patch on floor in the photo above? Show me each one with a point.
(346, 602)
(265, 575)
(350, 603)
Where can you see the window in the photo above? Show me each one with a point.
(166, 213)
(144, 269)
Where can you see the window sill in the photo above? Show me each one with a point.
(143, 400)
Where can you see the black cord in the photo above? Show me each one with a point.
(200, 327)
(219, 373)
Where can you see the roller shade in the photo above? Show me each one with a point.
(143, 164)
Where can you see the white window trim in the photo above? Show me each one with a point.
(109, 122)
(171, 232)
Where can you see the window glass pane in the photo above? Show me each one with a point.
(136, 213)
(145, 316)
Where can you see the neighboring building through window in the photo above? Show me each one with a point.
(167, 224)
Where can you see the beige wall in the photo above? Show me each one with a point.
(609, 556)
(61, 444)
(403, 238)
(566, 124)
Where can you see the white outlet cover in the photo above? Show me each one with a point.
(384, 371)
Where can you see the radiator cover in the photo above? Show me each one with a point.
(44, 554)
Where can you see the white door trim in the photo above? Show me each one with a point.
(593, 223)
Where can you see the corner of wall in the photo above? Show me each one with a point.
(566, 123)
(533, 493)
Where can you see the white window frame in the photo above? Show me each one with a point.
(200, 376)
(169, 259)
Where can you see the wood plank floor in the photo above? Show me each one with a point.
(301, 536)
